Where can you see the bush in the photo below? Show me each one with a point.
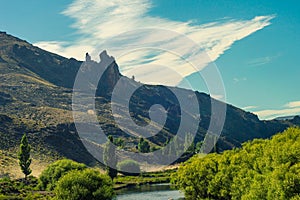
(129, 167)
(261, 169)
(55, 171)
(143, 146)
(87, 184)
(17, 187)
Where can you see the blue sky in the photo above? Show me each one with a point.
(254, 43)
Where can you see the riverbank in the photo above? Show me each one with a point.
(122, 181)
(19, 189)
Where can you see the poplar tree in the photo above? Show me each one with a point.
(24, 156)
(110, 158)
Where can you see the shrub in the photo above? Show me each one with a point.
(86, 184)
(143, 146)
(261, 169)
(55, 171)
(129, 167)
(17, 187)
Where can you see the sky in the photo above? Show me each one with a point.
(253, 43)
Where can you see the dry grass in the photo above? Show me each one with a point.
(9, 166)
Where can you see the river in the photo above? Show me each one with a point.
(149, 192)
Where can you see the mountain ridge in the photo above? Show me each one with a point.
(36, 97)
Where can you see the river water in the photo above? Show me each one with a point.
(149, 192)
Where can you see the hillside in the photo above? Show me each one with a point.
(36, 98)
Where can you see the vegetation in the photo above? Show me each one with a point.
(119, 142)
(129, 167)
(261, 169)
(144, 146)
(144, 178)
(18, 189)
(86, 184)
(55, 171)
(37, 98)
(110, 158)
(64, 179)
(24, 156)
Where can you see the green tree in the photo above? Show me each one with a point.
(189, 145)
(264, 169)
(55, 171)
(143, 146)
(129, 167)
(119, 142)
(86, 184)
(24, 156)
(110, 158)
(195, 176)
(198, 147)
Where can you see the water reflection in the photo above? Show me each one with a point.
(149, 192)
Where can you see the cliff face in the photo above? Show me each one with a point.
(110, 76)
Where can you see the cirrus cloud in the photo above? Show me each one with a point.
(289, 109)
(99, 24)
(293, 104)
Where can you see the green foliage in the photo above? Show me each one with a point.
(261, 169)
(110, 158)
(129, 167)
(144, 146)
(198, 147)
(188, 142)
(119, 142)
(154, 148)
(17, 188)
(144, 178)
(24, 156)
(55, 171)
(87, 184)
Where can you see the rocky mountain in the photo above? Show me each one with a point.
(36, 98)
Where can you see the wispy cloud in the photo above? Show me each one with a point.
(262, 60)
(289, 109)
(271, 114)
(236, 80)
(217, 96)
(100, 23)
(249, 107)
(293, 104)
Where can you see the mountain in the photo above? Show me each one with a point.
(286, 117)
(36, 98)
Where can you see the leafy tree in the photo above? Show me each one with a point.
(129, 167)
(154, 148)
(262, 169)
(187, 141)
(143, 146)
(119, 142)
(110, 158)
(55, 171)
(189, 145)
(198, 147)
(194, 177)
(24, 156)
(86, 184)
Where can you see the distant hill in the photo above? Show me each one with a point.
(286, 117)
(36, 98)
